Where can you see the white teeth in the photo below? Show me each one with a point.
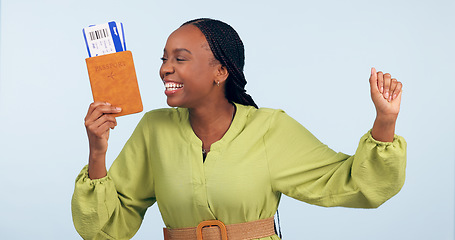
(172, 86)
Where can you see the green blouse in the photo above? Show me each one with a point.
(263, 154)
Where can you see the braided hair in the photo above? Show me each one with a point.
(227, 48)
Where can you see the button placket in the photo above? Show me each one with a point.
(209, 171)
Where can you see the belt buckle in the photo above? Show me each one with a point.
(211, 223)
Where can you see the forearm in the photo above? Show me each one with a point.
(384, 128)
(97, 166)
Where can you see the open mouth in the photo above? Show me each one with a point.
(170, 86)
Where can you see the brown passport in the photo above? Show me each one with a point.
(113, 80)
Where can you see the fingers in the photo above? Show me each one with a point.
(393, 85)
(387, 83)
(398, 95)
(97, 109)
(99, 118)
(396, 91)
(93, 106)
(105, 122)
(389, 87)
(100, 127)
(380, 82)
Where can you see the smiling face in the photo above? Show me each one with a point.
(189, 70)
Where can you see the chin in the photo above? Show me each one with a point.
(174, 103)
(171, 104)
(181, 102)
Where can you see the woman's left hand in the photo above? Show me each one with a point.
(386, 95)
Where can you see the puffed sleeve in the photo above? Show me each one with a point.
(113, 207)
(305, 169)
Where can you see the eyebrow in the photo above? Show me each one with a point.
(180, 50)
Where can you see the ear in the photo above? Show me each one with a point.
(221, 74)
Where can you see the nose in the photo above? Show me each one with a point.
(166, 69)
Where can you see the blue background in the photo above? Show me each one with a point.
(310, 58)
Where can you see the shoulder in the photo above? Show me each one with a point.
(264, 118)
(161, 117)
(278, 126)
(166, 114)
(161, 112)
(263, 114)
(269, 112)
(161, 122)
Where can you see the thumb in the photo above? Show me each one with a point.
(374, 81)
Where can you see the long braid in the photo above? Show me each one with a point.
(228, 49)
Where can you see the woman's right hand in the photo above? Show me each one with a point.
(98, 122)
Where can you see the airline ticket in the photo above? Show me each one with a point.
(104, 38)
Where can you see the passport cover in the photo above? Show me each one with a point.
(113, 80)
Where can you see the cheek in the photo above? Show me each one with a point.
(201, 74)
(191, 74)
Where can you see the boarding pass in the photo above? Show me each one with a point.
(104, 38)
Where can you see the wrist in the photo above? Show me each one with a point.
(96, 155)
(97, 168)
(386, 118)
(383, 129)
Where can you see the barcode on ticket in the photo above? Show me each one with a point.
(103, 33)
(104, 38)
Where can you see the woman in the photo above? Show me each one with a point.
(216, 156)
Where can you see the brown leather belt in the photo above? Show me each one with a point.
(216, 230)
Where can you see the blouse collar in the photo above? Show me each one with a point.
(236, 127)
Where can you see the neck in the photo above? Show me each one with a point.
(211, 121)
